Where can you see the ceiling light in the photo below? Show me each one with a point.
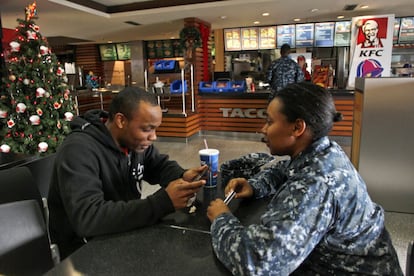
(256, 22)
(340, 16)
(296, 19)
(223, 17)
(364, 6)
(314, 10)
(265, 14)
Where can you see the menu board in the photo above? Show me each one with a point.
(304, 35)
(164, 48)
(108, 52)
(286, 35)
(267, 37)
(406, 30)
(250, 38)
(232, 39)
(324, 34)
(396, 30)
(124, 51)
(342, 33)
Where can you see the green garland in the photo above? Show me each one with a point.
(188, 33)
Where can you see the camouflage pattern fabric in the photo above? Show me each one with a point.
(246, 166)
(282, 72)
(320, 221)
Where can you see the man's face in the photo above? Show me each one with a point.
(278, 131)
(371, 32)
(138, 133)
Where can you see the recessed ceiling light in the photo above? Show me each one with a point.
(265, 14)
(256, 22)
(340, 16)
(314, 10)
(364, 6)
(296, 19)
(223, 17)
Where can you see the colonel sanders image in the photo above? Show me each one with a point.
(370, 30)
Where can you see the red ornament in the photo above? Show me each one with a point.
(10, 123)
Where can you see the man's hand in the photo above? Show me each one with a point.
(216, 208)
(191, 174)
(180, 191)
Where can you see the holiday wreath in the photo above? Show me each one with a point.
(190, 38)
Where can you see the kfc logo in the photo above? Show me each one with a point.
(372, 32)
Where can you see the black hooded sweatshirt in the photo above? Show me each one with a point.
(95, 186)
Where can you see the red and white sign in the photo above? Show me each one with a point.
(371, 47)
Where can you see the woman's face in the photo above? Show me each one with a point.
(278, 132)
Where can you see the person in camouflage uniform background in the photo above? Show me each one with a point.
(283, 71)
(320, 219)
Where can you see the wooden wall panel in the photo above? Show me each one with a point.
(179, 126)
(213, 116)
(344, 127)
(88, 58)
(212, 113)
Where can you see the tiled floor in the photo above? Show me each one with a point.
(233, 145)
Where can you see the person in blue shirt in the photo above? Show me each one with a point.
(320, 219)
(283, 71)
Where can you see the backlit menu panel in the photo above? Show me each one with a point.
(324, 34)
(286, 35)
(250, 38)
(396, 32)
(406, 30)
(232, 39)
(342, 33)
(304, 35)
(267, 37)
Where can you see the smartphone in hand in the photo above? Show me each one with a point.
(203, 173)
(229, 197)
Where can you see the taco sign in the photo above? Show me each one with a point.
(243, 113)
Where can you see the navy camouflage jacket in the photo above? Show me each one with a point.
(282, 72)
(320, 221)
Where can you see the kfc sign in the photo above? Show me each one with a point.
(244, 113)
(371, 47)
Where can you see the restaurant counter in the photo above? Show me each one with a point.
(245, 112)
(179, 245)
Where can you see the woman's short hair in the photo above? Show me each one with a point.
(311, 103)
(127, 101)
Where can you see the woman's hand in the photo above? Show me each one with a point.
(241, 186)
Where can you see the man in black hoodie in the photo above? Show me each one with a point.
(99, 168)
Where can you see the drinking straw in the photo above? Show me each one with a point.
(205, 143)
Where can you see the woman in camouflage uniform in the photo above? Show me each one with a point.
(320, 220)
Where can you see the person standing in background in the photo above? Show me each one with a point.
(283, 71)
(303, 65)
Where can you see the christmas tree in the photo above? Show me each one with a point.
(35, 102)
